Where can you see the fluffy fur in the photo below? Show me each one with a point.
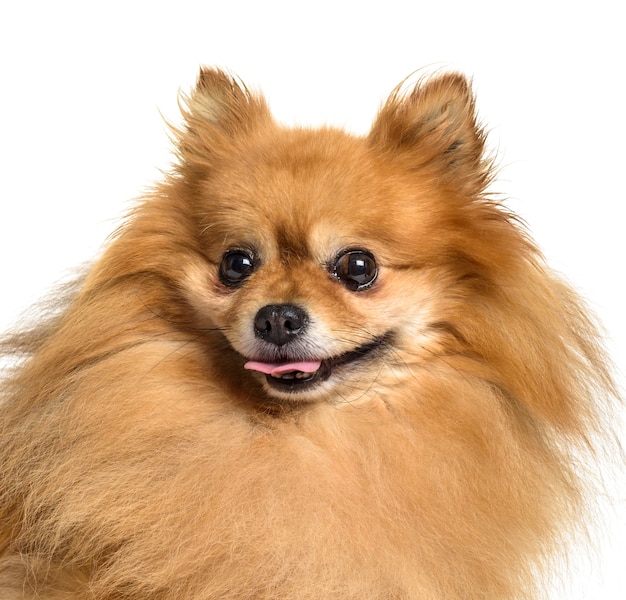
(435, 459)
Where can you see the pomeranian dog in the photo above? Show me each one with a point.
(310, 365)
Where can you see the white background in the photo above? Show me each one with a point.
(83, 85)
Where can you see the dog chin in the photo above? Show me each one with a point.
(317, 388)
(308, 394)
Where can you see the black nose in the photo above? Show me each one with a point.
(280, 323)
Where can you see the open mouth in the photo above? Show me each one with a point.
(299, 376)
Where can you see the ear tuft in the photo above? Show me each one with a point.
(434, 125)
(222, 100)
(219, 113)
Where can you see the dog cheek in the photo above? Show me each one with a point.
(205, 295)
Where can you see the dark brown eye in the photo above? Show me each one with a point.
(235, 267)
(356, 269)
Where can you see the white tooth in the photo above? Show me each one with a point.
(293, 375)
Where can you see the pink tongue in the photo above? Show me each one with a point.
(277, 369)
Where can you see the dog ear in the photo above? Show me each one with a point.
(219, 111)
(223, 101)
(433, 127)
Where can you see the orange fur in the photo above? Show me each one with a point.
(140, 460)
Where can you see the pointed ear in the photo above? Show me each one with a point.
(223, 101)
(216, 114)
(434, 127)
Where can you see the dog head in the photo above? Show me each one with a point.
(330, 262)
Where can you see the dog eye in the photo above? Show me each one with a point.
(356, 269)
(235, 267)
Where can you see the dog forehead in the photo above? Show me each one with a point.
(292, 242)
(306, 194)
